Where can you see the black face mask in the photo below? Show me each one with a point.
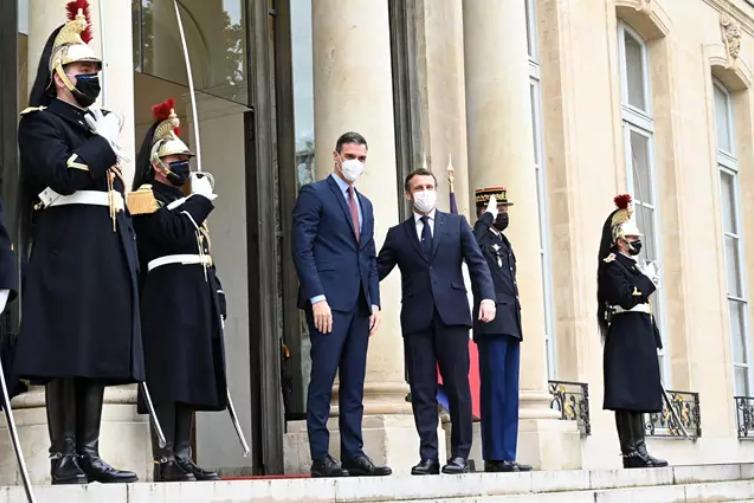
(87, 89)
(634, 247)
(179, 172)
(501, 221)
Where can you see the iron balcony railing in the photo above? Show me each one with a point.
(571, 399)
(683, 422)
(745, 417)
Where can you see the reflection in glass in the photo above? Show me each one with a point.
(635, 72)
(303, 89)
(216, 37)
(640, 165)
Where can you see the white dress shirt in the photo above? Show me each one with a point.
(420, 224)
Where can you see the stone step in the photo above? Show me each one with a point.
(698, 483)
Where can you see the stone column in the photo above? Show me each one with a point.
(124, 434)
(501, 151)
(353, 91)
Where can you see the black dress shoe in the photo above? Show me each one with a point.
(170, 471)
(492, 466)
(199, 473)
(327, 467)
(98, 471)
(522, 467)
(65, 469)
(426, 467)
(456, 466)
(362, 466)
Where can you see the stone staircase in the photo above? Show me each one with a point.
(699, 483)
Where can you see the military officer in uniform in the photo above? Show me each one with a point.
(631, 368)
(499, 340)
(80, 328)
(182, 301)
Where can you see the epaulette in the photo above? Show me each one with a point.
(29, 110)
(609, 258)
(142, 201)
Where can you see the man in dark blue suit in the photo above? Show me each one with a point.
(429, 249)
(334, 253)
(499, 341)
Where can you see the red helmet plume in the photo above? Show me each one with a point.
(622, 201)
(73, 9)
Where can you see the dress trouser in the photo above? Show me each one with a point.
(344, 350)
(499, 359)
(447, 346)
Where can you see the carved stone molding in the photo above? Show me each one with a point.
(731, 34)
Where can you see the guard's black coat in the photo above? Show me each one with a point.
(508, 313)
(80, 286)
(181, 309)
(631, 368)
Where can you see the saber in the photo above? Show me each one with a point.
(14, 438)
(103, 74)
(673, 413)
(192, 93)
(232, 411)
(153, 415)
(237, 425)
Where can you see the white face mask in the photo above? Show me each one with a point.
(352, 169)
(425, 200)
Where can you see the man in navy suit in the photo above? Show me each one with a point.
(429, 249)
(334, 253)
(499, 341)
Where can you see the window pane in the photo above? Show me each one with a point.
(533, 91)
(216, 38)
(722, 120)
(530, 46)
(728, 201)
(737, 331)
(645, 220)
(635, 72)
(640, 168)
(303, 89)
(733, 266)
(742, 381)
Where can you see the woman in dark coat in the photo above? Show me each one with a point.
(631, 367)
(182, 302)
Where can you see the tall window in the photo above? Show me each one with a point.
(539, 167)
(727, 165)
(638, 137)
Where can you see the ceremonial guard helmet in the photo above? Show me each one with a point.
(67, 44)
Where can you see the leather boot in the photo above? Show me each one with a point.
(624, 425)
(89, 396)
(60, 397)
(184, 417)
(166, 469)
(640, 443)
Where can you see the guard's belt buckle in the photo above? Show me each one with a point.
(47, 197)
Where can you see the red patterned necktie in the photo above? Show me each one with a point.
(354, 213)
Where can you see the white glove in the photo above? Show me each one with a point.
(492, 207)
(109, 127)
(200, 185)
(652, 271)
(3, 299)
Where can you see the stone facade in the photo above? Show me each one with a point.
(474, 59)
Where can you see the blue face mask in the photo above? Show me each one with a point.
(179, 172)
